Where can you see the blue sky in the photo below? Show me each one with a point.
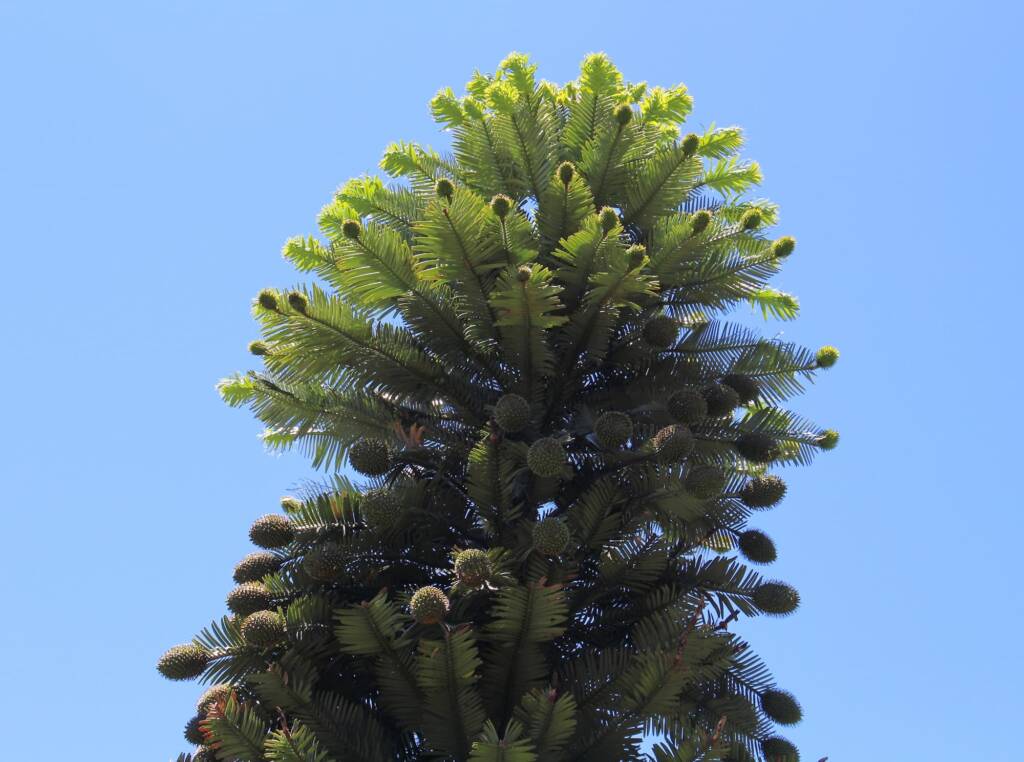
(155, 156)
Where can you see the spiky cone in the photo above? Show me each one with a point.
(747, 389)
(687, 406)
(271, 531)
(183, 662)
(661, 332)
(382, 510)
(444, 189)
(700, 221)
(776, 749)
(325, 562)
(370, 457)
(212, 696)
(828, 439)
(763, 491)
(826, 357)
(566, 171)
(512, 413)
(256, 566)
(429, 605)
(751, 219)
(613, 429)
(249, 597)
(783, 247)
(757, 447)
(776, 598)
(550, 536)
(473, 567)
(267, 299)
(263, 629)
(501, 205)
(608, 218)
(781, 707)
(721, 400)
(351, 229)
(673, 443)
(546, 457)
(756, 546)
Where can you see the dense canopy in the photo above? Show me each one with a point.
(521, 348)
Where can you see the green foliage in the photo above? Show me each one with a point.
(522, 349)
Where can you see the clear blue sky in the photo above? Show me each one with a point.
(154, 157)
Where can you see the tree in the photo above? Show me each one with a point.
(520, 347)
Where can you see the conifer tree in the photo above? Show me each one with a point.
(522, 350)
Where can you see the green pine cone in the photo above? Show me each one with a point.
(444, 189)
(757, 447)
(193, 733)
(784, 246)
(623, 114)
(609, 218)
(271, 531)
(763, 491)
(690, 144)
(249, 597)
(183, 662)
(827, 356)
(256, 566)
(687, 406)
(512, 413)
(565, 172)
(382, 510)
(325, 562)
(550, 536)
(776, 598)
(501, 205)
(778, 749)
(351, 229)
(258, 348)
(704, 482)
(721, 400)
(613, 429)
(757, 546)
(298, 302)
(751, 219)
(263, 629)
(472, 567)
(673, 443)
(546, 457)
(782, 707)
(212, 696)
(429, 605)
(700, 221)
(267, 299)
(746, 388)
(370, 457)
(661, 332)
(828, 439)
